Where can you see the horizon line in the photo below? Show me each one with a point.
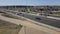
(28, 5)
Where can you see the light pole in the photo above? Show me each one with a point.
(41, 11)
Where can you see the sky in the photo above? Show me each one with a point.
(29, 2)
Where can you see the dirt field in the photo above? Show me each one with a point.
(9, 28)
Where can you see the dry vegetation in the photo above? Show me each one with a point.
(12, 16)
(58, 13)
(9, 28)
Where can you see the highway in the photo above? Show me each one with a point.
(31, 26)
(48, 21)
(58, 16)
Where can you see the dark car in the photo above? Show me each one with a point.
(19, 13)
(46, 14)
(38, 18)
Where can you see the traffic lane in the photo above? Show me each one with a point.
(52, 22)
(50, 15)
(55, 16)
(48, 21)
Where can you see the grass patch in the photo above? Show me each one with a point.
(9, 28)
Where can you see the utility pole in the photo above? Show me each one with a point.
(41, 11)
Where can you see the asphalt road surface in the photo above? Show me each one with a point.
(48, 21)
(55, 16)
(52, 15)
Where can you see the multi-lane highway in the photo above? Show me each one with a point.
(53, 15)
(48, 21)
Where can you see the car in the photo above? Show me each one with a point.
(38, 18)
(47, 15)
(28, 12)
(19, 13)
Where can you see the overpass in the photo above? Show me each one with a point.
(30, 26)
